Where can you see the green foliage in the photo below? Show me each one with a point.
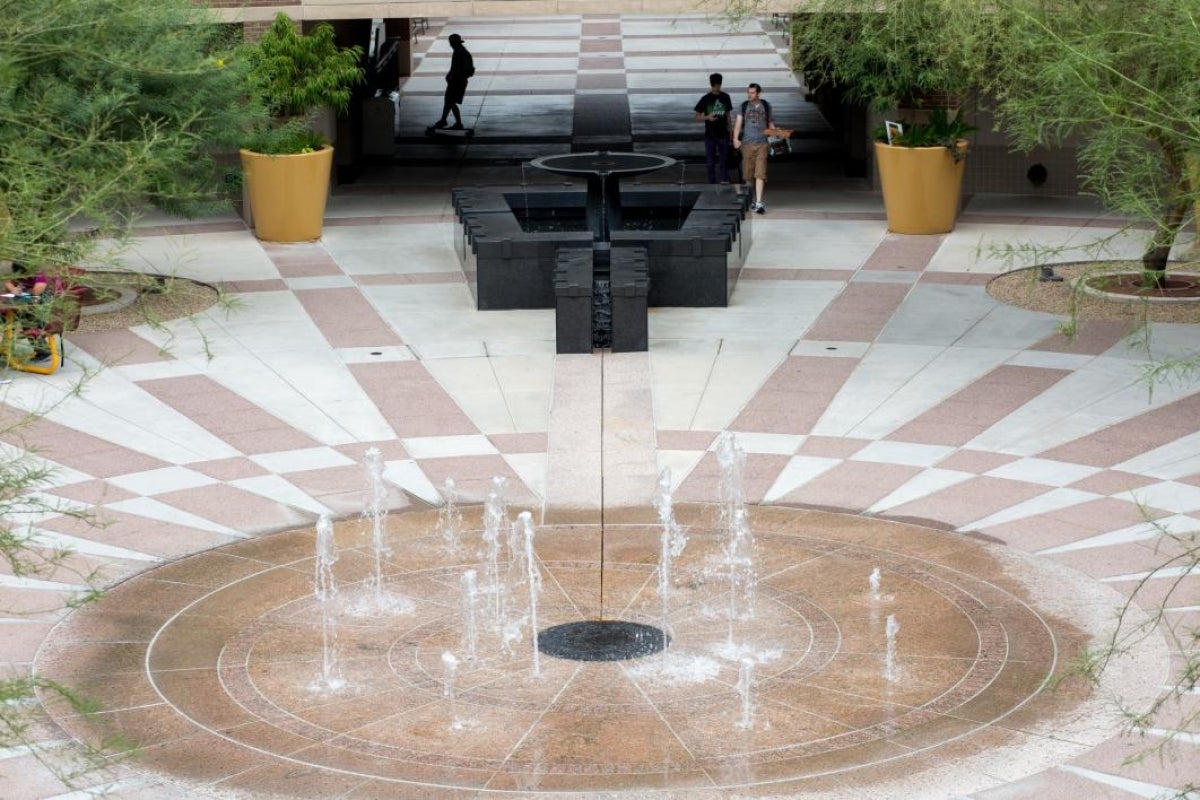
(106, 105)
(289, 138)
(291, 76)
(889, 53)
(1171, 717)
(941, 130)
(1118, 79)
(22, 719)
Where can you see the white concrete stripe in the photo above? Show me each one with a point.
(952, 370)
(1167, 572)
(1106, 392)
(77, 544)
(698, 385)
(1176, 736)
(1133, 533)
(918, 486)
(1168, 496)
(531, 469)
(25, 749)
(904, 453)
(408, 476)
(799, 471)
(156, 509)
(279, 489)
(1053, 500)
(37, 584)
(680, 462)
(449, 446)
(1177, 459)
(98, 791)
(1139, 788)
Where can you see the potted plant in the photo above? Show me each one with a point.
(286, 163)
(921, 170)
(910, 60)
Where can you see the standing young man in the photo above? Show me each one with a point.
(462, 68)
(715, 109)
(750, 136)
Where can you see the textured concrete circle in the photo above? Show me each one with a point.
(214, 665)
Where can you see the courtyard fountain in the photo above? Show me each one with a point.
(646, 726)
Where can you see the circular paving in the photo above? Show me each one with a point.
(213, 665)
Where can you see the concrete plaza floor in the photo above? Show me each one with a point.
(861, 371)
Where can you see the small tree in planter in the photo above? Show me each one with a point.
(913, 55)
(287, 164)
(1120, 77)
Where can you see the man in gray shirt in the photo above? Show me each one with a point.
(750, 136)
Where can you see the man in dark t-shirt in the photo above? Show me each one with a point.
(462, 68)
(714, 109)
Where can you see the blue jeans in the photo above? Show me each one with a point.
(716, 154)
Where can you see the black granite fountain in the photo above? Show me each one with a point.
(601, 254)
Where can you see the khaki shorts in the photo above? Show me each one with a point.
(754, 162)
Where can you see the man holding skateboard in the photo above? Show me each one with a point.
(462, 68)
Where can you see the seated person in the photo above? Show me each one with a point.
(22, 283)
(29, 288)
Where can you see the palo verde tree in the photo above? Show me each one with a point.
(107, 106)
(1121, 79)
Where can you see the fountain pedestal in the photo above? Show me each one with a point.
(603, 171)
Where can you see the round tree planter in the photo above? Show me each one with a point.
(921, 187)
(288, 193)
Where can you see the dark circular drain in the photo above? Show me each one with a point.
(602, 640)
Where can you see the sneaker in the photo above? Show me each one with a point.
(441, 123)
(759, 208)
(458, 126)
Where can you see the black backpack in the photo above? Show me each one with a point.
(766, 105)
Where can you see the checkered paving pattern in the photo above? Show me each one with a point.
(861, 371)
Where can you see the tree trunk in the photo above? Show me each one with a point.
(1154, 261)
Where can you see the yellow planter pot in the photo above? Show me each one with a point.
(921, 187)
(288, 193)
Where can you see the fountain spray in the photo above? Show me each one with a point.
(325, 589)
(450, 518)
(743, 578)
(889, 660)
(525, 520)
(376, 512)
(874, 581)
(495, 515)
(745, 690)
(671, 542)
(470, 594)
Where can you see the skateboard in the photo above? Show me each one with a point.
(460, 133)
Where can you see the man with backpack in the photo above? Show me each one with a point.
(750, 137)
